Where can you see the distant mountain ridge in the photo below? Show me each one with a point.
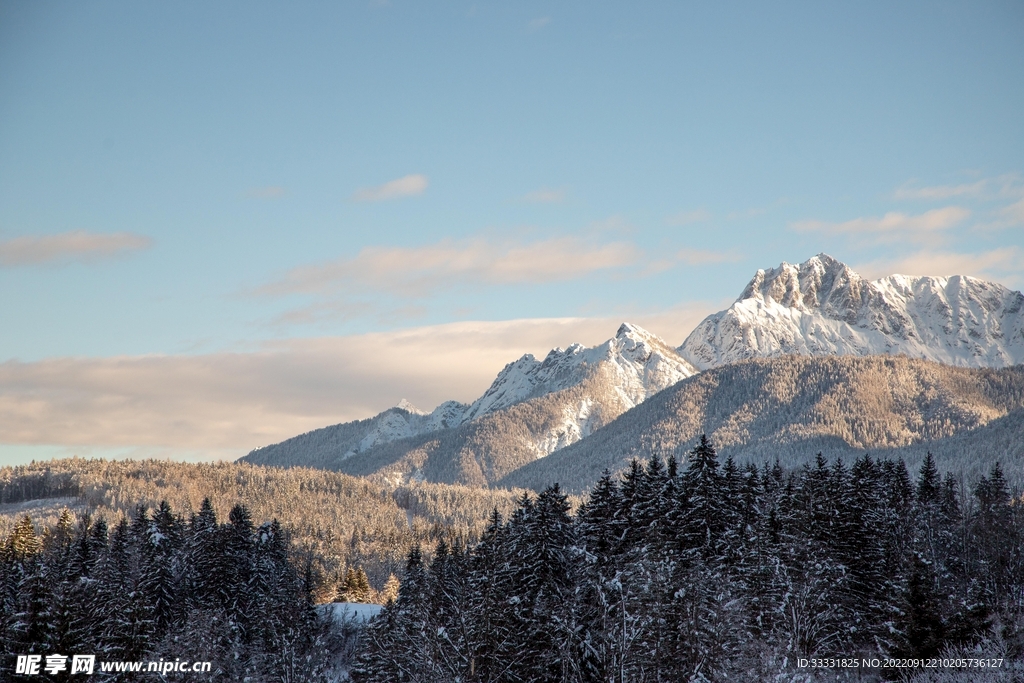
(821, 307)
(574, 391)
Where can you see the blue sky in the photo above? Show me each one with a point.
(223, 223)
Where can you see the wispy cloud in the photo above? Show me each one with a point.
(544, 195)
(1007, 185)
(229, 403)
(688, 217)
(941, 192)
(1003, 264)
(383, 311)
(406, 186)
(691, 257)
(1008, 217)
(419, 271)
(539, 23)
(269, 192)
(65, 247)
(893, 226)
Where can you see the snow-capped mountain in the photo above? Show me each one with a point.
(569, 403)
(606, 380)
(640, 363)
(823, 308)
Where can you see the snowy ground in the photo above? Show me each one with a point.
(348, 612)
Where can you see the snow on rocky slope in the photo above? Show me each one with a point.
(823, 308)
(641, 364)
(616, 376)
(326, 446)
(405, 420)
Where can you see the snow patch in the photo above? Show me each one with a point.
(349, 612)
(574, 426)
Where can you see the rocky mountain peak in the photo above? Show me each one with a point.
(409, 407)
(819, 281)
(643, 364)
(822, 307)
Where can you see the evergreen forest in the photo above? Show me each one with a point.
(701, 571)
(160, 587)
(719, 573)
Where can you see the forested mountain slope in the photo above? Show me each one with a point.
(791, 407)
(339, 520)
(823, 308)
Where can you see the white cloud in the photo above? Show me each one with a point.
(691, 257)
(894, 226)
(1012, 215)
(1007, 185)
(406, 186)
(77, 245)
(1005, 265)
(418, 271)
(545, 195)
(941, 192)
(229, 403)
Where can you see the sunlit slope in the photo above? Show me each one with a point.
(821, 307)
(794, 406)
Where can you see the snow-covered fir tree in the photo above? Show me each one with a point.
(712, 572)
(159, 586)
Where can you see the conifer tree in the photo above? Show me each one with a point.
(705, 517)
(929, 483)
(601, 524)
(23, 542)
(356, 587)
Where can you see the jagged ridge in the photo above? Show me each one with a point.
(823, 308)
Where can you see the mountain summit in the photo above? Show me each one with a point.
(823, 308)
(638, 365)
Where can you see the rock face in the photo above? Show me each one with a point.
(823, 308)
(532, 408)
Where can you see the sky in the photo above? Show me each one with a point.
(224, 224)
